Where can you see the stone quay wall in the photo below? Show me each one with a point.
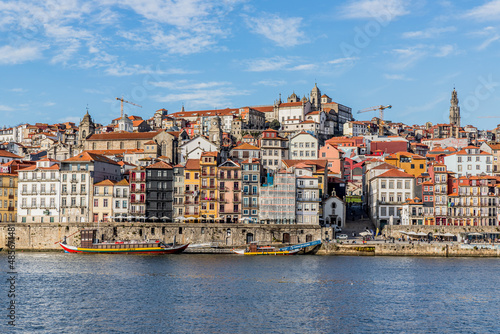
(394, 230)
(415, 249)
(45, 236)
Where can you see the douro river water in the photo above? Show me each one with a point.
(186, 293)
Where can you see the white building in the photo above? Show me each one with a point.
(78, 175)
(303, 146)
(195, 147)
(355, 128)
(469, 161)
(388, 193)
(39, 192)
(293, 111)
(308, 199)
(334, 212)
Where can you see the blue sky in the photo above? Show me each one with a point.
(57, 57)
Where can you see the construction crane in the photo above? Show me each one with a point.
(381, 111)
(121, 105)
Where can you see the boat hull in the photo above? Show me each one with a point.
(243, 252)
(130, 250)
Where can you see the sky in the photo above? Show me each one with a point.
(58, 58)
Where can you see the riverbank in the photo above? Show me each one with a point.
(438, 249)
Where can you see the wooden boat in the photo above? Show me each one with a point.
(253, 249)
(88, 245)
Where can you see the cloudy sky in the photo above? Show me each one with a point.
(57, 57)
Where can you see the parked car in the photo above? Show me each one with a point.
(342, 236)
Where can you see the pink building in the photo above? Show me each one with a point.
(229, 192)
(334, 157)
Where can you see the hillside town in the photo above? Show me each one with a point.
(300, 161)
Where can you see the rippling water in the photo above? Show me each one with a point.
(185, 293)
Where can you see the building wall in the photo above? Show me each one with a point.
(8, 197)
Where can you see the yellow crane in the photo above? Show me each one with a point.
(121, 105)
(381, 112)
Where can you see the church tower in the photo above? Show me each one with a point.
(86, 128)
(454, 109)
(215, 131)
(315, 98)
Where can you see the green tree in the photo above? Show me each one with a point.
(275, 124)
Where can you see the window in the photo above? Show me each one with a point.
(105, 203)
(96, 203)
(188, 176)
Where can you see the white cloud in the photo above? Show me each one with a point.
(49, 104)
(203, 98)
(269, 82)
(486, 12)
(304, 67)
(285, 32)
(400, 77)
(407, 57)
(6, 108)
(268, 64)
(12, 55)
(187, 85)
(490, 33)
(428, 33)
(18, 90)
(382, 10)
(340, 61)
(445, 50)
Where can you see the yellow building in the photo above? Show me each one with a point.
(192, 185)
(209, 210)
(103, 201)
(411, 163)
(8, 197)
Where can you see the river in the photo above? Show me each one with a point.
(74, 293)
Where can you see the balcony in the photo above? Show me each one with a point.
(10, 208)
(250, 206)
(310, 199)
(222, 200)
(223, 189)
(236, 200)
(74, 181)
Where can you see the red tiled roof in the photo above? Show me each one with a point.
(87, 156)
(245, 146)
(160, 165)
(124, 135)
(396, 174)
(7, 154)
(192, 164)
(105, 183)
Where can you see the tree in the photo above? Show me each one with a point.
(275, 124)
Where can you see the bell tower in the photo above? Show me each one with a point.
(86, 128)
(454, 109)
(315, 98)
(215, 131)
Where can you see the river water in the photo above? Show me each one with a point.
(187, 293)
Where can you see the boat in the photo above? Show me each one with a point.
(253, 249)
(89, 245)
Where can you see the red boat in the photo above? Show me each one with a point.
(150, 247)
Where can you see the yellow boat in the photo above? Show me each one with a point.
(253, 249)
